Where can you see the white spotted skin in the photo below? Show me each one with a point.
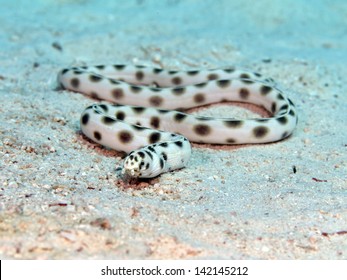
(172, 152)
(145, 124)
(150, 161)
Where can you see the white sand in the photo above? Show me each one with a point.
(60, 196)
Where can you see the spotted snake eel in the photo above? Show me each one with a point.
(148, 122)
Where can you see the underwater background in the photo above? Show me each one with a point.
(60, 195)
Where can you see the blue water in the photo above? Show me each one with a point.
(309, 28)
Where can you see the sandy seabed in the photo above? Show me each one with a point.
(60, 196)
